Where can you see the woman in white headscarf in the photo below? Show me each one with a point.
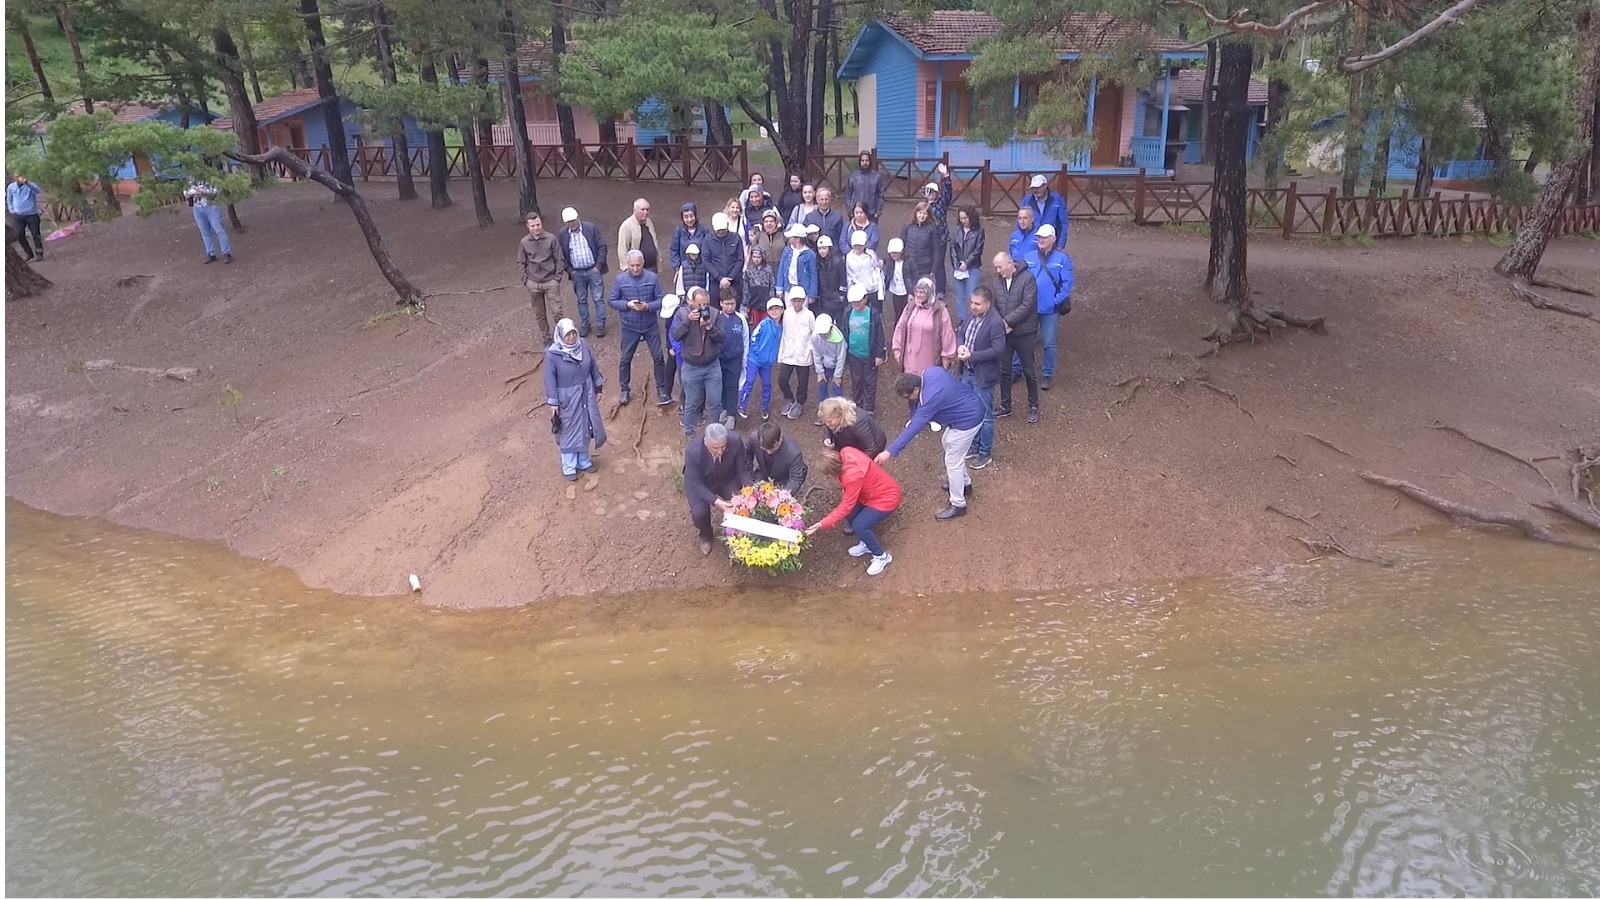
(572, 385)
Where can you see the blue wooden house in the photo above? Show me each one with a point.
(916, 103)
(1405, 150)
(127, 113)
(293, 120)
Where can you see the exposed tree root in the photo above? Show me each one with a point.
(644, 418)
(488, 290)
(1328, 543)
(1226, 393)
(1580, 513)
(1456, 510)
(1329, 444)
(1554, 285)
(1587, 462)
(1256, 319)
(1440, 426)
(1524, 290)
(1287, 458)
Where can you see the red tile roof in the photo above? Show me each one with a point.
(949, 31)
(123, 113)
(1189, 86)
(534, 58)
(275, 108)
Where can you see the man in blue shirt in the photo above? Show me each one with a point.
(1052, 269)
(948, 405)
(22, 202)
(636, 296)
(584, 251)
(1048, 207)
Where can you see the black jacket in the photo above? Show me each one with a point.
(865, 435)
(701, 340)
(1019, 306)
(967, 248)
(830, 283)
(597, 246)
(988, 349)
(786, 468)
(829, 223)
(704, 480)
(787, 201)
(924, 252)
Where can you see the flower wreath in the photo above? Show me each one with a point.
(766, 502)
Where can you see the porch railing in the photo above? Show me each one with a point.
(1149, 153)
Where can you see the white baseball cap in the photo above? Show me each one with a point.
(1038, 181)
(896, 245)
(823, 326)
(824, 241)
(857, 293)
(858, 239)
(795, 231)
(774, 303)
(797, 293)
(569, 215)
(669, 305)
(932, 186)
(1048, 231)
(719, 222)
(692, 248)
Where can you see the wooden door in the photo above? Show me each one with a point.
(1107, 127)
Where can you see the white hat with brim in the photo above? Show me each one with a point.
(1045, 231)
(858, 293)
(719, 222)
(824, 241)
(896, 245)
(797, 293)
(669, 305)
(1038, 181)
(858, 239)
(569, 215)
(823, 325)
(774, 303)
(932, 186)
(692, 248)
(795, 231)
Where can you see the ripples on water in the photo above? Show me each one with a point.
(180, 721)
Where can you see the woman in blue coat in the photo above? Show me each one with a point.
(798, 265)
(572, 384)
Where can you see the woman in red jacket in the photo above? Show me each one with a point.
(870, 495)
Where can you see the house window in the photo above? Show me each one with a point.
(960, 112)
(1027, 98)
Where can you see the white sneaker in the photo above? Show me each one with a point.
(860, 549)
(879, 563)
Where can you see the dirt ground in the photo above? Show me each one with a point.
(357, 452)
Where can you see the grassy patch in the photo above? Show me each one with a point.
(676, 459)
(1199, 229)
(408, 312)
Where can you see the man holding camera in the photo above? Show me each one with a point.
(698, 327)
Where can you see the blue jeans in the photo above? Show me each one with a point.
(751, 373)
(964, 288)
(701, 384)
(830, 387)
(862, 520)
(572, 462)
(984, 442)
(587, 286)
(209, 218)
(1047, 337)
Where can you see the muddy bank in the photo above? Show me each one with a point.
(356, 452)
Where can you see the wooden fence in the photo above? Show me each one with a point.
(1145, 200)
(686, 164)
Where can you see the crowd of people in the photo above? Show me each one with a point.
(796, 289)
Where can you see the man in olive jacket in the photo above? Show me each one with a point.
(1016, 297)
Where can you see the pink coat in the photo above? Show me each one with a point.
(923, 336)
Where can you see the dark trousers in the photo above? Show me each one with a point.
(700, 513)
(862, 520)
(731, 370)
(25, 224)
(630, 343)
(863, 382)
(900, 301)
(801, 374)
(1020, 347)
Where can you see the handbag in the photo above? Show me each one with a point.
(555, 423)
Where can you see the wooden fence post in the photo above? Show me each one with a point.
(1462, 209)
(630, 159)
(1368, 210)
(1138, 197)
(1329, 207)
(986, 178)
(688, 163)
(1289, 203)
(744, 162)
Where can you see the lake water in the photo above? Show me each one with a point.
(182, 721)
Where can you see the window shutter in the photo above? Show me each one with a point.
(929, 107)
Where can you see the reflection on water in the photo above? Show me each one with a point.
(181, 721)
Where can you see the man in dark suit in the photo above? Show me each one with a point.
(982, 351)
(716, 465)
(1016, 297)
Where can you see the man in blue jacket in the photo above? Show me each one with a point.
(22, 202)
(636, 296)
(1048, 207)
(1022, 235)
(981, 350)
(944, 403)
(1052, 269)
(584, 251)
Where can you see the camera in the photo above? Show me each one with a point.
(694, 313)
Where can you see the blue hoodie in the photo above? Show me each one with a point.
(944, 400)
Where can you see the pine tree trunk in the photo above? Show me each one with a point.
(833, 70)
(1423, 186)
(248, 56)
(1226, 271)
(22, 280)
(1497, 143)
(245, 125)
(472, 151)
(719, 132)
(1355, 114)
(1278, 92)
(332, 116)
(19, 21)
(1208, 112)
(438, 153)
(386, 70)
(517, 114)
(1591, 172)
(108, 190)
(818, 99)
(408, 293)
(1535, 231)
(1380, 157)
(233, 220)
(558, 49)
